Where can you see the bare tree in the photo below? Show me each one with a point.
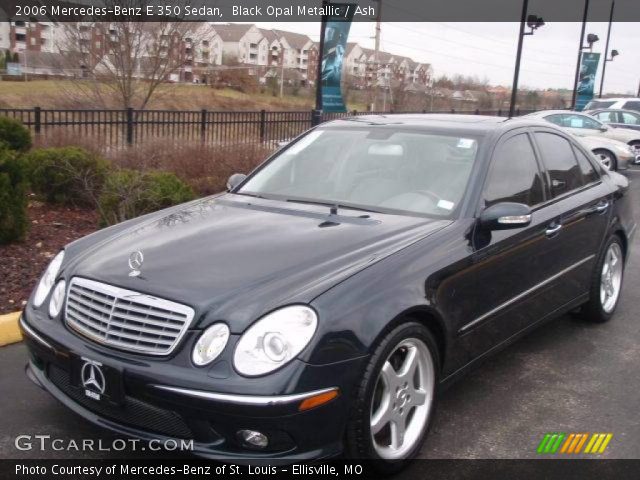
(125, 62)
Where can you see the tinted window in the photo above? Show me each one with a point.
(592, 105)
(557, 153)
(514, 175)
(630, 118)
(632, 105)
(588, 170)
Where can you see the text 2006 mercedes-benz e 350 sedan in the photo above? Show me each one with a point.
(316, 307)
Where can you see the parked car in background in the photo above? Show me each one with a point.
(614, 103)
(617, 118)
(318, 306)
(581, 124)
(613, 155)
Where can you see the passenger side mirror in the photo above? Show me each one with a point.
(505, 215)
(235, 180)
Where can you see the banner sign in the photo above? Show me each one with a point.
(587, 79)
(336, 31)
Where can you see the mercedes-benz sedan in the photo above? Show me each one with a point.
(318, 307)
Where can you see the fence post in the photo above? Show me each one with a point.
(37, 120)
(453, 110)
(203, 124)
(477, 111)
(263, 125)
(517, 112)
(316, 117)
(354, 113)
(129, 126)
(499, 112)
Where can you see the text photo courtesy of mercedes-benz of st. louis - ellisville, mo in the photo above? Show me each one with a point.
(353, 239)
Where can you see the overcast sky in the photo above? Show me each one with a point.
(489, 49)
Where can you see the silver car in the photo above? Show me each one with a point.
(613, 155)
(582, 125)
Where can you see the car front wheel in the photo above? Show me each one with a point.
(607, 159)
(395, 399)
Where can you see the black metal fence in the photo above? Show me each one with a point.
(114, 128)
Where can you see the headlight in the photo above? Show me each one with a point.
(46, 282)
(210, 344)
(57, 299)
(275, 340)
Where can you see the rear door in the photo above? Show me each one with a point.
(576, 213)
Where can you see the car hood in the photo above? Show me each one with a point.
(593, 142)
(235, 257)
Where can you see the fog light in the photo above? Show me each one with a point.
(253, 438)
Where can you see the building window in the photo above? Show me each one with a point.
(34, 41)
(21, 37)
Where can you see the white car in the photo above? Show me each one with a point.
(613, 155)
(615, 103)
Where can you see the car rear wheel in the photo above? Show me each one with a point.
(395, 400)
(606, 283)
(607, 159)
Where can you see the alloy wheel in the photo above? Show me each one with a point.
(605, 159)
(611, 278)
(402, 399)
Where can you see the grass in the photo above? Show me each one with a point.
(63, 94)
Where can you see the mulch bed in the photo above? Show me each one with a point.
(22, 264)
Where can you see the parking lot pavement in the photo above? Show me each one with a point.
(567, 376)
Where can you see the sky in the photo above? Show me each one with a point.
(488, 50)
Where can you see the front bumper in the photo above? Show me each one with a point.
(159, 407)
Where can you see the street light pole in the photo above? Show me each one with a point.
(516, 74)
(317, 112)
(580, 47)
(606, 49)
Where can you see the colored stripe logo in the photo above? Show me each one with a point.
(573, 443)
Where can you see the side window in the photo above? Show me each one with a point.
(557, 119)
(588, 170)
(564, 172)
(607, 117)
(581, 121)
(632, 105)
(630, 118)
(514, 174)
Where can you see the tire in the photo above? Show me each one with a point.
(392, 399)
(606, 283)
(607, 159)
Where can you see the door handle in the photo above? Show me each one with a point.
(553, 229)
(601, 207)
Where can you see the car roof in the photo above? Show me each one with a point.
(615, 99)
(622, 110)
(479, 123)
(544, 113)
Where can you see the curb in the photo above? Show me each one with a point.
(9, 330)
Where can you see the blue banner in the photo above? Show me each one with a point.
(587, 79)
(336, 32)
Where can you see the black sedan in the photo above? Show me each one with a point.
(318, 307)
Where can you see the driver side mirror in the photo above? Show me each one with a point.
(505, 215)
(235, 180)
(603, 128)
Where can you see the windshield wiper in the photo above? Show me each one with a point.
(332, 205)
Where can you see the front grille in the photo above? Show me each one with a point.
(125, 319)
(133, 412)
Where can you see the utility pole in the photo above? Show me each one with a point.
(584, 26)
(281, 72)
(606, 48)
(316, 117)
(516, 74)
(638, 95)
(376, 52)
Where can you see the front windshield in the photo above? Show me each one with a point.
(373, 168)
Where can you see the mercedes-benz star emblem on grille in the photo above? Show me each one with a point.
(135, 262)
(92, 379)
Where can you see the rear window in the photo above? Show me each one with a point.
(593, 104)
